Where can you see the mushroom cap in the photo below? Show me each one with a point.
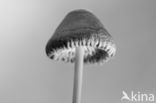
(81, 28)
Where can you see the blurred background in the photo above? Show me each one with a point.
(27, 75)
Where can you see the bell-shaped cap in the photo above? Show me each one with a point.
(81, 28)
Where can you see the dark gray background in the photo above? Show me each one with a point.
(27, 75)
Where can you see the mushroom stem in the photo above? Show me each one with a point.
(78, 75)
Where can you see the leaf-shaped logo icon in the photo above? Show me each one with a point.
(125, 96)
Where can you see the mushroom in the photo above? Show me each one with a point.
(81, 39)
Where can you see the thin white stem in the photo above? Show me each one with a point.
(78, 75)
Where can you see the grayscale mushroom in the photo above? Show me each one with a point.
(81, 39)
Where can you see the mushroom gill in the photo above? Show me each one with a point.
(95, 50)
